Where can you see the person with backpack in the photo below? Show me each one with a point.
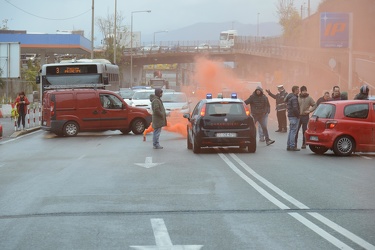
(21, 104)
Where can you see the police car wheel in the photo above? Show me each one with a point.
(196, 147)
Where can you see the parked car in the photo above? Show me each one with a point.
(126, 94)
(343, 127)
(141, 98)
(176, 101)
(70, 111)
(152, 48)
(203, 47)
(220, 122)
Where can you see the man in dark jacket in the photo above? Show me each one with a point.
(363, 93)
(325, 98)
(259, 109)
(159, 117)
(280, 107)
(293, 116)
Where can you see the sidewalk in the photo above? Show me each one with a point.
(8, 128)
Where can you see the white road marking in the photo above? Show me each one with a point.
(320, 231)
(253, 184)
(269, 184)
(343, 231)
(162, 239)
(19, 137)
(148, 163)
(81, 157)
(298, 204)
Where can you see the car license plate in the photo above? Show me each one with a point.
(314, 138)
(226, 134)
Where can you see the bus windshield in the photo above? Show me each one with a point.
(73, 79)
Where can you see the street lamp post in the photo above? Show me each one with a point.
(258, 25)
(115, 35)
(161, 31)
(131, 44)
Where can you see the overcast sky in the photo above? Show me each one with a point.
(47, 16)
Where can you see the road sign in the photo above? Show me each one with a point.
(334, 30)
(10, 60)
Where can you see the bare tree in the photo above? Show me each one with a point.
(106, 26)
(289, 19)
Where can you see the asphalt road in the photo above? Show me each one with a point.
(110, 191)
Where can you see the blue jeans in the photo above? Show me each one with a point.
(262, 120)
(303, 121)
(260, 130)
(293, 125)
(155, 137)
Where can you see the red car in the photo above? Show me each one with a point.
(342, 126)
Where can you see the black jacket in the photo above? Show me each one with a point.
(293, 105)
(259, 104)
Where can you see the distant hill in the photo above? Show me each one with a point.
(210, 32)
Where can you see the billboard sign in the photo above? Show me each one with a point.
(334, 30)
(10, 60)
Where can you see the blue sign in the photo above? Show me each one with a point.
(334, 30)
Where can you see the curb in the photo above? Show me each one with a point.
(23, 132)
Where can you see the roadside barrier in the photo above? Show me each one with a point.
(32, 115)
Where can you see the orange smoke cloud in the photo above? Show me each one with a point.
(213, 77)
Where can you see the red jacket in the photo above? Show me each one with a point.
(18, 102)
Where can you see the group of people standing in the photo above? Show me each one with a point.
(297, 106)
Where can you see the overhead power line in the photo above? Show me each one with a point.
(47, 18)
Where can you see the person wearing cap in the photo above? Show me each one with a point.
(280, 107)
(159, 117)
(21, 104)
(306, 105)
(259, 109)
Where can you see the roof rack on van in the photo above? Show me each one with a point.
(79, 86)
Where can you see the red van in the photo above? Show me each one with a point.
(69, 111)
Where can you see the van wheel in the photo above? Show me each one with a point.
(70, 129)
(138, 126)
(125, 131)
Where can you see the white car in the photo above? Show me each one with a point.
(203, 47)
(176, 101)
(126, 94)
(150, 48)
(141, 98)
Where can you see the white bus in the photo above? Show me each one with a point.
(82, 73)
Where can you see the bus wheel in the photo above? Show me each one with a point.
(138, 126)
(70, 129)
